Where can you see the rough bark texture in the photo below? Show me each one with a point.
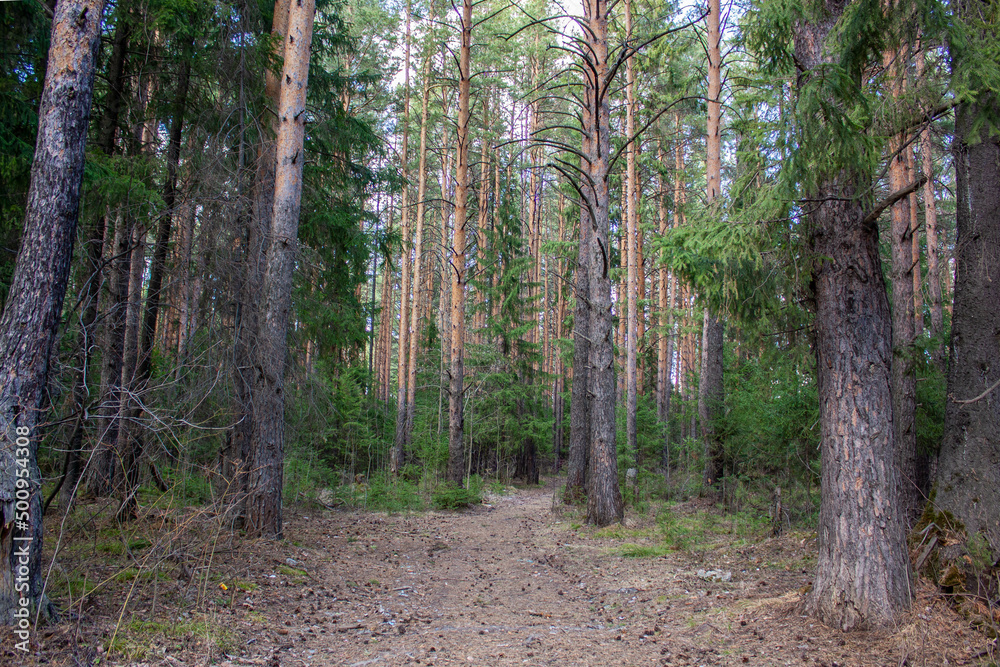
(862, 574)
(236, 457)
(968, 483)
(456, 457)
(34, 304)
(710, 396)
(710, 388)
(264, 495)
(604, 499)
(579, 407)
(558, 381)
(930, 224)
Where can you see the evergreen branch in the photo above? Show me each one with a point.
(872, 217)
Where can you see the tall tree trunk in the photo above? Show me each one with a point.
(268, 446)
(398, 452)
(968, 483)
(456, 457)
(710, 388)
(185, 295)
(418, 262)
(444, 273)
(903, 371)
(34, 304)
(862, 574)
(557, 363)
(604, 499)
(930, 225)
(236, 457)
(632, 232)
(664, 352)
(918, 293)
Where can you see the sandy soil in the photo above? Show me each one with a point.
(517, 581)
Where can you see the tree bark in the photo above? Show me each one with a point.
(903, 371)
(264, 516)
(456, 452)
(236, 457)
(862, 575)
(632, 231)
(918, 293)
(711, 388)
(34, 304)
(418, 262)
(398, 452)
(930, 225)
(604, 499)
(968, 482)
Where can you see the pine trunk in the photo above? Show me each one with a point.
(862, 575)
(33, 307)
(632, 232)
(968, 483)
(398, 452)
(236, 457)
(930, 225)
(710, 388)
(903, 374)
(579, 409)
(456, 455)
(264, 516)
(418, 263)
(604, 499)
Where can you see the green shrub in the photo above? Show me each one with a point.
(450, 497)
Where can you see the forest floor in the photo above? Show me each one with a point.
(515, 581)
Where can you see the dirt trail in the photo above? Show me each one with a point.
(515, 583)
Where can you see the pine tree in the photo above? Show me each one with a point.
(33, 308)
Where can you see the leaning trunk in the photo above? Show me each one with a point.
(34, 304)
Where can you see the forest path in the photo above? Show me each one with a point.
(518, 581)
(507, 583)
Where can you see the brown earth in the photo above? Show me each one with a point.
(516, 581)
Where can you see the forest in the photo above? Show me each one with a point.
(391, 260)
